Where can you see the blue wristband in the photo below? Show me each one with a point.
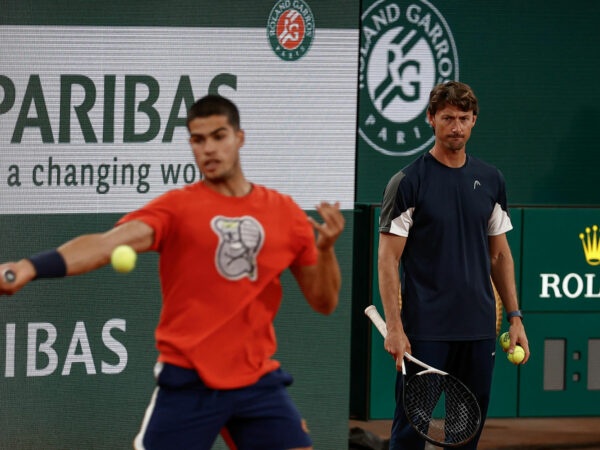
(48, 264)
(512, 314)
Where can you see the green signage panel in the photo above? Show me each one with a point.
(77, 354)
(561, 260)
(562, 377)
(522, 59)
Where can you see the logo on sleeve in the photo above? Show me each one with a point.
(240, 241)
(406, 49)
(291, 29)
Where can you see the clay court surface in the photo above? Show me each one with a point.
(564, 433)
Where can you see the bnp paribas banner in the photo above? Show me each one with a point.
(93, 100)
(561, 260)
(92, 118)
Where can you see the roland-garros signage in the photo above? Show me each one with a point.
(406, 49)
(291, 29)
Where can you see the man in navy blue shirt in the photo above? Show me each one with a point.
(444, 219)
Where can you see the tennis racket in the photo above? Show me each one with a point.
(9, 276)
(438, 405)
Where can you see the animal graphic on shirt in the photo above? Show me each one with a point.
(240, 240)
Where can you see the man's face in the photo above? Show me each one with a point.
(452, 127)
(216, 144)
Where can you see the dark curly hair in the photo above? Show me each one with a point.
(452, 93)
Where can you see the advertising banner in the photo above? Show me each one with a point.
(561, 260)
(93, 100)
(92, 119)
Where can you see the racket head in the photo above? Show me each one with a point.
(441, 408)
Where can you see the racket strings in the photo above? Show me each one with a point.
(441, 408)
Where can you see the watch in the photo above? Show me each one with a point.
(512, 314)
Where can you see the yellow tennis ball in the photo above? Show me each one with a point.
(517, 356)
(123, 258)
(504, 341)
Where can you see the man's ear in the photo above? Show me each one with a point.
(242, 137)
(430, 119)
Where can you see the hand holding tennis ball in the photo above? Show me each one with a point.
(517, 356)
(123, 259)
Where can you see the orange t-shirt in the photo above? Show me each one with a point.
(220, 262)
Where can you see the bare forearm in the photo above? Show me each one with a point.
(86, 253)
(503, 276)
(502, 271)
(389, 290)
(77, 256)
(328, 282)
(320, 283)
(388, 260)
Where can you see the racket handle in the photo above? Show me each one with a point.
(372, 313)
(9, 276)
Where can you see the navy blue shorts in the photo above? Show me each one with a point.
(185, 414)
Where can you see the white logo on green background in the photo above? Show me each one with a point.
(291, 29)
(406, 49)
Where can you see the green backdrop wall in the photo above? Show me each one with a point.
(533, 66)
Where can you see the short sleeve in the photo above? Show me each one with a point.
(157, 214)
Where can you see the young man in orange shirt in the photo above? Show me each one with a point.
(223, 244)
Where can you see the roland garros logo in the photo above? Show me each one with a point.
(291, 29)
(406, 49)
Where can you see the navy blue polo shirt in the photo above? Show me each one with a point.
(446, 214)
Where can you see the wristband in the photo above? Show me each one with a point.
(512, 314)
(48, 264)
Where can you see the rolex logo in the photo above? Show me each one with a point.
(591, 245)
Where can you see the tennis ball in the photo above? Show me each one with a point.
(517, 356)
(123, 258)
(504, 341)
